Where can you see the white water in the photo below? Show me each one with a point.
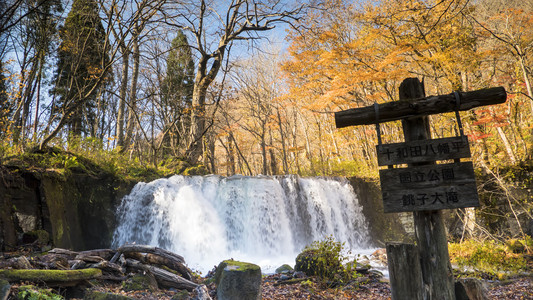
(263, 220)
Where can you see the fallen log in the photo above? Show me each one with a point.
(16, 263)
(89, 258)
(52, 277)
(109, 267)
(169, 262)
(106, 254)
(149, 249)
(76, 264)
(164, 278)
(69, 253)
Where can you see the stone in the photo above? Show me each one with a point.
(5, 288)
(238, 281)
(140, 282)
(202, 293)
(299, 274)
(284, 269)
(380, 255)
(284, 277)
(470, 289)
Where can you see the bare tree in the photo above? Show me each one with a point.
(214, 26)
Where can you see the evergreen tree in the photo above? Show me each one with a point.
(177, 88)
(82, 64)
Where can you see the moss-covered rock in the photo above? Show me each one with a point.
(140, 282)
(307, 262)
(284, 269)
(196, 170)
(51, 277)
(238, 281)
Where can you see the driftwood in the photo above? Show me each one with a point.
(89, 258)
(164, 278)
(106, 254)
(76, 264)
(52, 277)
(62, 267)
(166, 261)
(110, 267)
(149, 249)
(16, 263)
(65, 252)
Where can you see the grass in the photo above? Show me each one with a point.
(491, 259)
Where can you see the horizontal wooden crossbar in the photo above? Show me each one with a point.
(397, 110)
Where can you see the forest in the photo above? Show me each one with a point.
(247, 87)
(151, 88)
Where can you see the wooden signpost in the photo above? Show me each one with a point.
(423, 187)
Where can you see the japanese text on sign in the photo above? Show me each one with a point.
(423, 151)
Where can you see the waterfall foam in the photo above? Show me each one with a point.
(264, 220)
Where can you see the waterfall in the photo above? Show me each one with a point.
(264, 220)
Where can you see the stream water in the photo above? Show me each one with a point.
(263, 220)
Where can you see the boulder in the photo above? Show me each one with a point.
(284, 269)
(306, 262)
(238, 281)
(313, 262)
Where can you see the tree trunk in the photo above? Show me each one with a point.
(506, 145)
(230, 157)
(283, 145)
(133, 92)
(122, 98)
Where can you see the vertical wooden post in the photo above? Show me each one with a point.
(405, 272)
(429, 225)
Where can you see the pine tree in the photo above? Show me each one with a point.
(82, 64)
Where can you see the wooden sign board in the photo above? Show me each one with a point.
(423, 151)
(429, 187)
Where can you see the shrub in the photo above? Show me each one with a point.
(327, 260)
